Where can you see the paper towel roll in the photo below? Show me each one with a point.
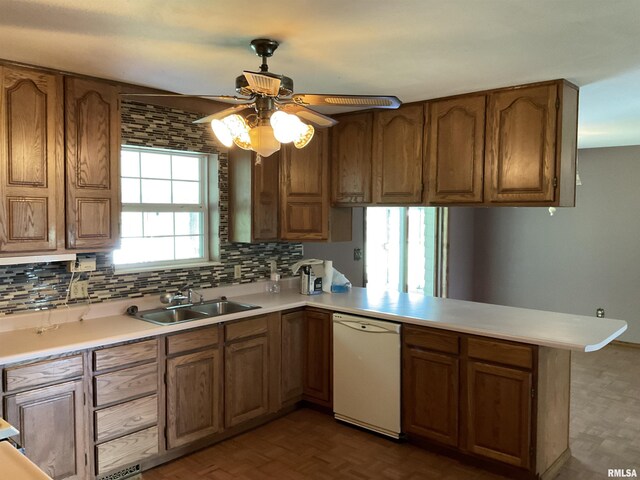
(328, 276)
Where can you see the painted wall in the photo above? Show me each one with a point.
(341, 253)
(461, 253)
(578, 260)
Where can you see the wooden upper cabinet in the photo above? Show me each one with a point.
(92, 125)
(305, 190)
(398, 154)
(522, 128)
(253, 197)
(351, 159)
(31, 169)
(455, 150)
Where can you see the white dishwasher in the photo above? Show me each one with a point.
(366, 373)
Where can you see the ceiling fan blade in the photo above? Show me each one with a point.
(223, 113)
(263, 82)
(372, 101)
(219, 98)
(307, 114)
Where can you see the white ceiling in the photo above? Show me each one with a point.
(415, 49)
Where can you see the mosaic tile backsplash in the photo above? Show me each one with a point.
(34, 286)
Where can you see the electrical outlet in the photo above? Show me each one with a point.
(237, 271)
(79, 289)
(82, 265)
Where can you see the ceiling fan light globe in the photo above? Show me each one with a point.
(263, 141)
(284, 126)
(304, 137)
(222, 132)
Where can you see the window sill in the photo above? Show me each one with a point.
(117, 270)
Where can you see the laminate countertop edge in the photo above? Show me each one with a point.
(550, 329)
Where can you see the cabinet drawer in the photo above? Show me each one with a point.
(431, 339)
(245, 328)
(126, 418)
(42, 373)
(183, 342)
(125, 355)
(496, 351)
(125, 384)
(127, 450)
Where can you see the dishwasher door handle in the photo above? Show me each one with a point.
(364, 327)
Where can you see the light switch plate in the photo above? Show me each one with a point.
(79, 289)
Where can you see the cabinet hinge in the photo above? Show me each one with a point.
(533, 393)
(164, 378)
(557, 103)
(555, 182)
(86, 460)
(531, 452)
(84, 398)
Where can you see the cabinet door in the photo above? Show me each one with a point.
(398, 154)
(317, 360)
(305, 194)
(456, 150)
(499, 413)
(351, 160)
(246, 365)
(292, 356)
(430, 395)
(253, 197)
(92, 126)
(194, 394)
(521, 145)
(51, 421)
(31, 154)
(265, 205)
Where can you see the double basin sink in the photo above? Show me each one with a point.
(189, 312)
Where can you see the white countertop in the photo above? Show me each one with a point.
(15, 466)
(536, 327)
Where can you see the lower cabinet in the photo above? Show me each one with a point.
(499, 406)
(318, 358)
(430, 395)
(472, 394)
(246, 370)
(292, 356)
(194, 387)
(52, 426)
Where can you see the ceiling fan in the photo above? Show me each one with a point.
(269, 113)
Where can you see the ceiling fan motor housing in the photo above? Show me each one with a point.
(286, 86)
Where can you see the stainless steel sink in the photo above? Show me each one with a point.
(221, 307)
(186, 313)
(164, 316)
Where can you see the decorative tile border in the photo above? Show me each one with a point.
(36, 286)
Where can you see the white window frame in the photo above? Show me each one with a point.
(209, 203)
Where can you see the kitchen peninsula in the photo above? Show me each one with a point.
(497, 377)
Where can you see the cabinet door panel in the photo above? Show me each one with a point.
(398, 154)
(292, 356)
(31, 169)
(305, 190)
(246, 380)
(499, 413)
(51, 421)
(430, 395)
(92, 125)
(265, 198)
(351, 159)
(521, 144)
(318, 358)
(193, 397)
(456, 150)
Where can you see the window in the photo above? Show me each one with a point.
(165, 219)
(405, 249)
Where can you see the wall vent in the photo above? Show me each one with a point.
(128, 472)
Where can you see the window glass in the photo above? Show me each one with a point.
(164, 217)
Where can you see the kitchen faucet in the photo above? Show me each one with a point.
(184, 294)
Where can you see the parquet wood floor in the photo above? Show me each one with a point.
(605, 433)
